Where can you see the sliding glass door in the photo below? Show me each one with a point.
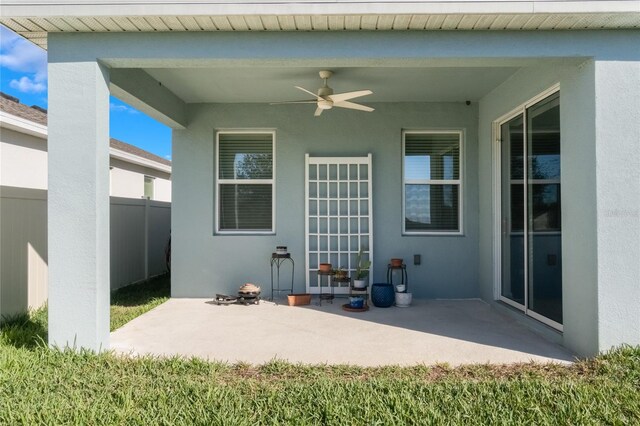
(530, 210)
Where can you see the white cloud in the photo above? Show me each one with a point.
(26, 85)
(168, 157)
(20, 55)
(122, 108)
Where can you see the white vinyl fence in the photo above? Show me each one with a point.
(139, 234)
(140, 231)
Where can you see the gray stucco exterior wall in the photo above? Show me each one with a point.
(205, 263)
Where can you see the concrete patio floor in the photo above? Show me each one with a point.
(429, 332)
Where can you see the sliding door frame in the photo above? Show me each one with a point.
(497, 206)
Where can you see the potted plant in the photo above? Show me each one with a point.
(362, 271)
(325, 267)
(403, 300)
(340, 273)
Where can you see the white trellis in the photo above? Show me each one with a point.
(338, 215)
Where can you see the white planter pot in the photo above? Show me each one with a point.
(403, 300)
(359, 283)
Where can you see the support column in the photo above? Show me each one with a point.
(78, 205)
(617, 104)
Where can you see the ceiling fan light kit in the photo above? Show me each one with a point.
(325, 99)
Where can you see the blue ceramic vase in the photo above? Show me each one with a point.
(382, 295)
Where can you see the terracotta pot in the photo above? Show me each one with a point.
(396, 262)
(325, 267)
(299, 299)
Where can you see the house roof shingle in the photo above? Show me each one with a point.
(12, 105)
(123, 146)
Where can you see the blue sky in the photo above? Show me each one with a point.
(23, 74)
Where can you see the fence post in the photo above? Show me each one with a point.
(146, 238)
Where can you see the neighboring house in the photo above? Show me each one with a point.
(134, 172)
(504, 149)
(140, 210)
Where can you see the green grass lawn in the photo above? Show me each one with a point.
(134, 300)
(29, 330)
(43, 386)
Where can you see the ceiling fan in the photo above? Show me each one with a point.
(325, 99)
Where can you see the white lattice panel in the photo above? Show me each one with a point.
(339, 217)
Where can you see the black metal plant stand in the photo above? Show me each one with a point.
(277, 260)
(360, 291)
(403, 275)
(322, 276)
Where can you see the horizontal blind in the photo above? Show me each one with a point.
(245, 187)
(431, 207)
(245, 207)
(432, 182)
(432, 156)
(245, 156)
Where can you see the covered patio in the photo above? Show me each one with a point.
(432, 331)
(211, 85)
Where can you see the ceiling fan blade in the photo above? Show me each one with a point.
(294, 102)
(307, 91)
(340, 97)
(318, 112)
(351, 105)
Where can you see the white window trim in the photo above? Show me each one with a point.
(459, 182)
(497, 208)
(217, 182)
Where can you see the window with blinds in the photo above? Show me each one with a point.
(149, 184)
(245, 182)
(432, 182)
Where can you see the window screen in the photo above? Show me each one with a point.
(245, 182)
(432, 182)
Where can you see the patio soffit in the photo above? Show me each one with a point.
(35, 19)
(389, 84)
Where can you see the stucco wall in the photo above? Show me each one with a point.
(124, 182)
(127, 180)
(205, 263)
(23, 164)
(23, 160)
(162, 190)
(617, 134)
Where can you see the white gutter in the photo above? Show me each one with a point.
(141, 161)
(22, 125)
(115, 8)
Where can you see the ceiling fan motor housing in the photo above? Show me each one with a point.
(325, 91)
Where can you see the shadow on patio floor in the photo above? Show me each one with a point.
(430, 331)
